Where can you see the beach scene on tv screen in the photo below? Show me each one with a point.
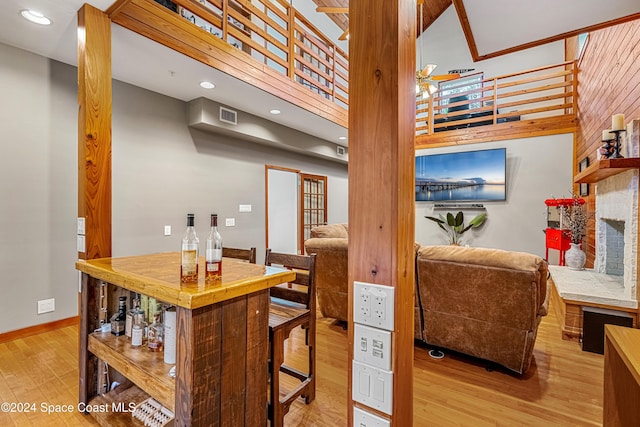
(465, 176)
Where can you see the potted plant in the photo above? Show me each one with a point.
(454, 225)
(575, 220)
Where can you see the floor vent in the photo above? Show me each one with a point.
(228, 116)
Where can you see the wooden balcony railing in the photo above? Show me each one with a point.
(472, 101)
(269, 44)
(277, 35)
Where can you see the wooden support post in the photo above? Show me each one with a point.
(94, 130)
(382, 115)
(94, 156)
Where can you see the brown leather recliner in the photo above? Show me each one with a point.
(483, 302)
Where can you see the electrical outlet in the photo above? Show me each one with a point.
(230, 222)
(46, 305)
(373, 346)
(374, 305)
(167, 230)
(362, 418)
(372, 387)
(244, 208)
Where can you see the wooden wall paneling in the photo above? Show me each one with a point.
(381, 173)
(94, 130)
(609, 83)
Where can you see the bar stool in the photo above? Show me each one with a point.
(291, 307)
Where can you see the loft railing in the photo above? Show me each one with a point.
(277, 35)
(476, 101)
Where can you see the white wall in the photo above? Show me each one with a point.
(538, 168)
(38, 176)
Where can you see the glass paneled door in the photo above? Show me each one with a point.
(313, 195)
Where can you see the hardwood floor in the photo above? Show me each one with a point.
(563, 387)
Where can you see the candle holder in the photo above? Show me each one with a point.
(616, 146)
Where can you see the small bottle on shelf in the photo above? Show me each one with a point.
(155, 338)
(119, 319)
(137, 329)
(213, 270)
(189, 263)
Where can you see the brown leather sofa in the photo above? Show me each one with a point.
(331, 244)
(486, 303)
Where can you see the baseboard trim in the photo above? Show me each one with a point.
(38, 329)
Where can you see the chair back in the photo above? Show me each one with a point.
(242, 254)
(305, 269)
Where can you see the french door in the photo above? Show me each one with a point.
(313, 197)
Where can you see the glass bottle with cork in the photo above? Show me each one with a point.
(213, 254)
(189, 262)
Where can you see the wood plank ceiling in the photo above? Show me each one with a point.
(431, 10)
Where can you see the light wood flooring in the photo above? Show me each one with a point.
(563, 387)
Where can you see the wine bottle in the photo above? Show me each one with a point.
(213, 270)
(190, 243)
(118, 320)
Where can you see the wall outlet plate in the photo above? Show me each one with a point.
(372, 387)
(46, 305)
(230, 222)
(372, 346)
(244, 208)
(362, 418)
(373, 305)
(167, 230)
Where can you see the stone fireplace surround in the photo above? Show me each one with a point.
(604, 286)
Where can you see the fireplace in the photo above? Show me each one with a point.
(616, 229)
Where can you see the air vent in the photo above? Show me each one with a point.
(228, 116)
(340, 150)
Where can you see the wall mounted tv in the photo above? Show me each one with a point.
(462, 177)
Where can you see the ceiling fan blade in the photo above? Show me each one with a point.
(330, 9)
(444, 77)
(344, 36)
(428, 69)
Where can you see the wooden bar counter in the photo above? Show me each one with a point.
(221, 349)
(621, 403)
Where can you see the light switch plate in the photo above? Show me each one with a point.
(372, 387)
(81, 225)
(230, 222)
(244, 208)
(372, 346)
(362, 418)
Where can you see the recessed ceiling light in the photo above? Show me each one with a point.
(207, 85)
(274, 111)
(342, 138)
(35, 17)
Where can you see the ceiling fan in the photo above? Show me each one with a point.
(424, 76)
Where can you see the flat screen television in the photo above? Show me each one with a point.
(468, 176)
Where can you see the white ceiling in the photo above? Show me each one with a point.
(144, 63)
(501, 24)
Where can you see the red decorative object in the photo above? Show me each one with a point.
(557, 238)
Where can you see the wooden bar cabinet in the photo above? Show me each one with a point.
(221, 343)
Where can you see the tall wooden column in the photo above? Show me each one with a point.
(381, 173)
(94, 172)
(94, 130)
